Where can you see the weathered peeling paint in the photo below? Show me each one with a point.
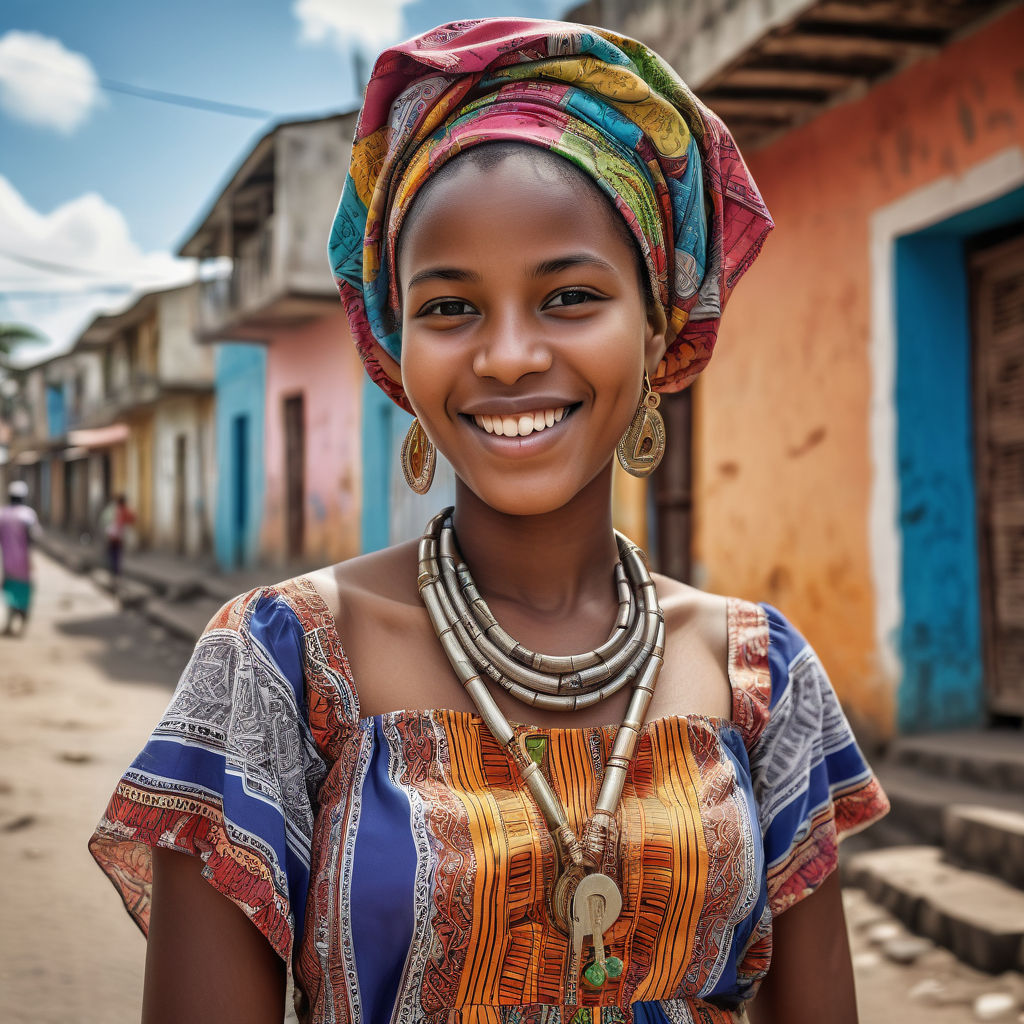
(776, 519)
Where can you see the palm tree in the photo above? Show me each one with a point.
(12, 335)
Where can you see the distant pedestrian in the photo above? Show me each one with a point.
(117, 517)
(19, 528)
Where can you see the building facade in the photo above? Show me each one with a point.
(856, 440)
(271, 222)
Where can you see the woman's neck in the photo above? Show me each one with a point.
(552, 564)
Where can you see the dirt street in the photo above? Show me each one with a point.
(78, 696)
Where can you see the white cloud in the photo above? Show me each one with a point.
(376, 23)
(59, 269)
(44, 83)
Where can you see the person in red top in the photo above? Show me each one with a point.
(117, 517)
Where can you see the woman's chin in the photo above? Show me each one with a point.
(525, 494)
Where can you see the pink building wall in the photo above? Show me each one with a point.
(317, 360)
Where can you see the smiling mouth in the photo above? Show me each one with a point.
(522, 424)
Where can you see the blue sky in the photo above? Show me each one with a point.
(98, 181)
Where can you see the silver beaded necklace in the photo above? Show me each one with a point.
(585, 901)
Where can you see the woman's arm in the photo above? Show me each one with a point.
(811, 977)
(205, 960)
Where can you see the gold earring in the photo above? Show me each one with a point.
(643, 444)
(418, 458)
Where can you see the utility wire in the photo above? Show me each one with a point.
(60, 268)
(35, 295)
(181, 100)
(159, 95)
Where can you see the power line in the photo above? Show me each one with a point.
(181, 100)
(38, 295)
(157, 95)
(40, 264)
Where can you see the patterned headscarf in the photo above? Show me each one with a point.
(604, 102)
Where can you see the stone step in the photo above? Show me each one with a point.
(174, 583)
(185, 620)
(919, 800)
(979, 918)
(986, 839)
(130, 593)
(993, 758)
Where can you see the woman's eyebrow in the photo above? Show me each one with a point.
(566, 262)
(442, 274)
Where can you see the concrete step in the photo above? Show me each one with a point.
(78, 558)
(993, 758)
(979, 918)
(919, 800)
(174, 583)
(130, 593)
(986, 839)
(185, 620)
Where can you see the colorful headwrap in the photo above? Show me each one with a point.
(609, 105)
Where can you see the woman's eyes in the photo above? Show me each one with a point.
(460, 308)
(570, 297)
(448, 307)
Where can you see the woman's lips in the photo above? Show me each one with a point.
(520, 424)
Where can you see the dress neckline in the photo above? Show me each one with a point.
(716, 723)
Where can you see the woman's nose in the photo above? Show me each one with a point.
(510, 349)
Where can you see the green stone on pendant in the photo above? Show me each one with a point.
(613, 967)
(535, 747)
(594, 975)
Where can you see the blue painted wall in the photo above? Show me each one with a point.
(941, 636)
(382, 422)
(241, 384)
(56, 411)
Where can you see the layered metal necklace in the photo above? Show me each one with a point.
(585, 901)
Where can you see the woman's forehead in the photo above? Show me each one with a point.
(515, 203)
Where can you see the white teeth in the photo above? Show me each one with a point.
(522, 425)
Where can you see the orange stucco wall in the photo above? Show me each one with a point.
(782, 444)
(319, 361)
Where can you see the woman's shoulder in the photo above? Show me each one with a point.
(378, 578)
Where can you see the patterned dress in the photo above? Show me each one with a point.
(399, 864)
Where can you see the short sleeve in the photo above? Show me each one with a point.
(811, 782)
(230, 774)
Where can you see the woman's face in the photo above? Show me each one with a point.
(525, 332)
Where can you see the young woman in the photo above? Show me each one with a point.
(365, 775)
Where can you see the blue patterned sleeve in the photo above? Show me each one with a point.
(811, 782)
(230, 774)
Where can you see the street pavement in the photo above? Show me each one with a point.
(78, 696)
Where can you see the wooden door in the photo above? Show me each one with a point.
(240, 488)
(672, 489)
(180, 493)
(294, 475)
(998, 312)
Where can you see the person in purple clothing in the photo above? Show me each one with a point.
(19, 528)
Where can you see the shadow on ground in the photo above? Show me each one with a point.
(131, 650)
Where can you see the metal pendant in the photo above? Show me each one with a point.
(596, 905)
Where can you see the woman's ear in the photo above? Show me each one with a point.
(654, 337)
